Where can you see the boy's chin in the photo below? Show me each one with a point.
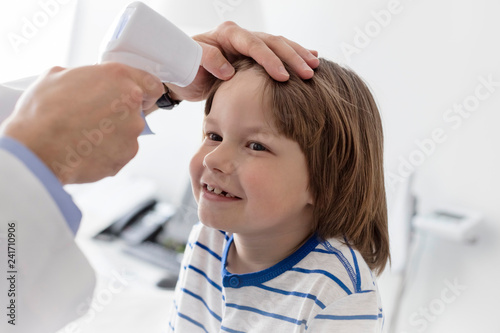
(215, 225)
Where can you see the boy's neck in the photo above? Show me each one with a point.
(250, 254)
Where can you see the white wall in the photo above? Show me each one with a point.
(428, 57)
(34, 37)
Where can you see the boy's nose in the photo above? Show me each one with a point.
(221, 159)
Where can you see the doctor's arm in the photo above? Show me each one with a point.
(8, 98)
(50, 280)
(83, 123)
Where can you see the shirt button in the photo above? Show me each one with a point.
(234, 282)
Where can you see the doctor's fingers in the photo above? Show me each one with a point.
(266, 49)
(106, 161)
(142, 86)
(300, 59)
(215, 63)
(149, 85)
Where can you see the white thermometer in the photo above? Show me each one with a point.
(142, 38)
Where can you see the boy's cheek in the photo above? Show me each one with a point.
(195, 165)
(195, 187)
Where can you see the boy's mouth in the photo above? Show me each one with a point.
(219, 192)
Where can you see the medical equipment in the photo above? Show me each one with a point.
(451, 222)
(142, 38)
(407, 225)
(150, 230)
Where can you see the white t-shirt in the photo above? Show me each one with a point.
(322, 287)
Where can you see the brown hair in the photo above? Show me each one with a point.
(334, 119)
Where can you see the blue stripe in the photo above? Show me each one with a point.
(365, 291)
(358, 275)
(188, 318)
(197, 270)
(206, 248)
(343, 260)
(328, 274)
(227, 329)
(224, 234)
(226, 237)
(294, 293)
(198, 297)
(350, 271)
(353, 317)
(268, 314)
(192, 321)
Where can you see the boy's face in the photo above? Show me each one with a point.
(262, 175)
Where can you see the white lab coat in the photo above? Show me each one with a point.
(53, 279)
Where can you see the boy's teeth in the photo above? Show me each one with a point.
(219, 192)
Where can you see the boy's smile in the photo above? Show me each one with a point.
(247, 178)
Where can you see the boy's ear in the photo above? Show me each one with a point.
(310, 200)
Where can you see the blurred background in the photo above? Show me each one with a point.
(434, 68)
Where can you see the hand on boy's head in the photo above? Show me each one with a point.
(268, 50)
(229, 42)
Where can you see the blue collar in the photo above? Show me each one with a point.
(230, 280)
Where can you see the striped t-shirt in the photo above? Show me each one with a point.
(325, 286)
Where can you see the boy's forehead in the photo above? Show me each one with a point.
(247, 121)
(252, 126)
(244, 90)
(242, 99)
(249, 80)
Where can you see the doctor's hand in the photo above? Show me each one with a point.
(83, 123)
(228, 42)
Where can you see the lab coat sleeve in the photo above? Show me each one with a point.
(8, 99)
(45, 280)
(51, 278)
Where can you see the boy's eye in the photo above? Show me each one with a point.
(257, 146)
(214, 137)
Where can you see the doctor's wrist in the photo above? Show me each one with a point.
(166, 101)
(170, 89)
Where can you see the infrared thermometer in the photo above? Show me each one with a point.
(144, 39)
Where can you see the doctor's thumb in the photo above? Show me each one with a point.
(215, 63)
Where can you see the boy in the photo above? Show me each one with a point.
(290, 192)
